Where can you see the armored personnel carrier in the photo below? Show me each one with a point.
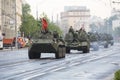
(110, 39)
(77, 40)
(47, 42)
(94, 40)
(106, 40)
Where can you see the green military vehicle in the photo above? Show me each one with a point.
(106, 40)
(47, 42)
(94, 40)
(110, 39)
(77, 40)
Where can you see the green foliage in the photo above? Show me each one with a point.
(111, 19)
(117, 75)
(117, 31)
(53, 27)
(93, 27)
(39, 23)
(26, 9)
(108, 23)
(32, 27)
(29, 24)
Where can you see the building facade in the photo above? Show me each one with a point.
(10, 17)
(116, 23)
(97, 24)
(75, 16)
(115, 12)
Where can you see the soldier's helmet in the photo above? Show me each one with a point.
(71, 29)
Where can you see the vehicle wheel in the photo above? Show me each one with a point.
(33, 55)
(86, 50)
(40, 55)
(60, 52)
(67, 50)
(64, 52)
(106, 46)
(1, 48)
(112, 44)
(79, 49)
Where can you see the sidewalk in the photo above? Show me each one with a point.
(11, 49)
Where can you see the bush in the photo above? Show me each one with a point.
(117, 75)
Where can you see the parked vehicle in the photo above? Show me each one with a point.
(10, 42)
(20, 42)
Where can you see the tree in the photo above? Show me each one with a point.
(32, 27)
(26, 9)
(117, 32)
(29, 24)
(93, 27)
(108, 23)
(53, 27)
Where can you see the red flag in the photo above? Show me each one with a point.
(44, 24)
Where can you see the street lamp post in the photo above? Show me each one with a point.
(15, 27)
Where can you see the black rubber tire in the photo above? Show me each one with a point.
(112, 44)
(40, 55)
(86, 50)
(60, 52)
(57, 54)
(33, 55)
(67, 50)
(79, 48)
(106, 46)
(1, 48)
(64, 52)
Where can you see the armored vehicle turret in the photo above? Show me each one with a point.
(77, 40)
(47, 42)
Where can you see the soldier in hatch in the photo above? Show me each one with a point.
(82, 35)
(71, 29)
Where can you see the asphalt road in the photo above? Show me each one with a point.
(96, 65)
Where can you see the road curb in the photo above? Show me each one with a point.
(9, 49)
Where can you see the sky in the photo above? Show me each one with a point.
(100, 8)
